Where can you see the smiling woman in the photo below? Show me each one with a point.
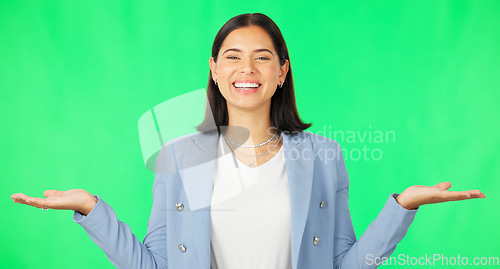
(251, 191)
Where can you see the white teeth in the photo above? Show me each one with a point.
(246, 85)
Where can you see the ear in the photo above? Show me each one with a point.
(283, 71)
(213, 68)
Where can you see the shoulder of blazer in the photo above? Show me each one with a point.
(167, 158)
(326, 150)
(319, 141)
(180, 140)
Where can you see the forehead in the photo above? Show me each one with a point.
(248, 38)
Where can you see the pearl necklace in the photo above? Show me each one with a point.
(257, 156)
(265, 152)
(250, 146)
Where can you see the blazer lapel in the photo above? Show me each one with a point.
(299, 161)
(197, 171)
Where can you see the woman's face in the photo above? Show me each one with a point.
(247, 69)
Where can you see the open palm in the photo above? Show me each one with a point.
(418, 195)
(75, 199)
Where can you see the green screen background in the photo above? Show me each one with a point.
(76, 76)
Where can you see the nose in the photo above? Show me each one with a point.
(247, 66)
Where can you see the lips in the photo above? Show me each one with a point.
(246, 80)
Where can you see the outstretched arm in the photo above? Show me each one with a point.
(118, 242)
(381, 237)
(102, 225)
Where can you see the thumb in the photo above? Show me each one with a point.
(48, 193)
(444, 185)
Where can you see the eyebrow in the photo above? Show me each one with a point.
(238, 50)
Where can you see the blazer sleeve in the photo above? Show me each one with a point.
(118, 242)
(380, 238)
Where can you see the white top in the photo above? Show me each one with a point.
(250, 213)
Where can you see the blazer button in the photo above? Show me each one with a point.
(316, 240)
(179, 206)
(182, 248)
(322, 204)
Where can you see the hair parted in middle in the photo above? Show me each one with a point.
(284, 114)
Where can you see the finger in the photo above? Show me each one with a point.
(444, 185)
(39, 203)
(21, 196)
(15, 196)
(461, 195)
(20, 201)
(470, 194)
(35, 205)
(476, 194)
(454, 195)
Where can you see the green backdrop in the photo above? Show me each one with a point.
(75, 77)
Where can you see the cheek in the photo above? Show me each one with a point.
(225, 71)
(271, 73)
(224, 80)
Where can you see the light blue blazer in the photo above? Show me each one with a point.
(178, 235)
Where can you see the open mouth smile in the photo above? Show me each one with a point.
(246, 88)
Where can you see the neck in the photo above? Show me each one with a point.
(249, 127)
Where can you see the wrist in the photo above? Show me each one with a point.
(402, 202)
(88, 206)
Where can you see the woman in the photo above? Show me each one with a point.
(250, 189)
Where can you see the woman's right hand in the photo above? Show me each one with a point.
(76, 199)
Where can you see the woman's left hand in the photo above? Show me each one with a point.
(418, 195)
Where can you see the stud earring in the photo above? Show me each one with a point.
(215, 81)
(281, 85)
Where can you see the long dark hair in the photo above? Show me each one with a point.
(284, 115)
